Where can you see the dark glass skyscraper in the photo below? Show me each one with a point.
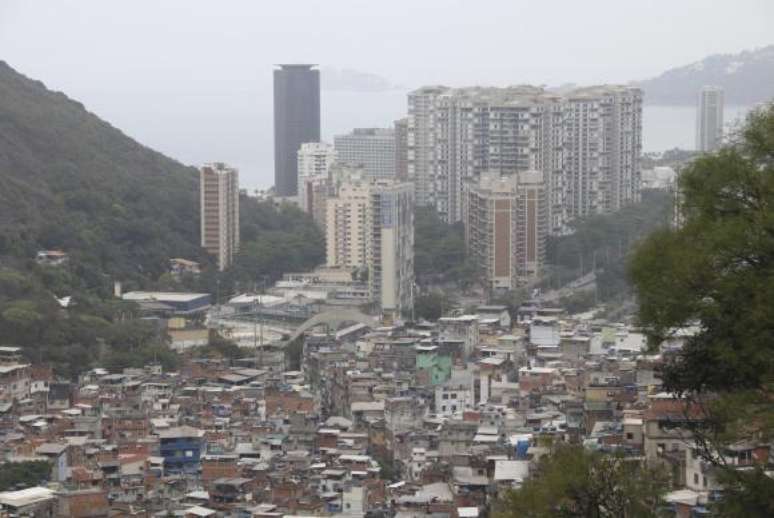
(296, 121)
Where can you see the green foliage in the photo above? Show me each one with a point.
(432, 306)
(389, 468)
(675, 158)
(277, 239)
(117, 360)
(575, 482)
(718, 268)
(135, 343)
(578, 302)
(13, 284)
(512, 300)
(439, 250)
(21, 475)
(220, 347)
(602, 243)
(77, 338)
(294, 352)
(69, 180)
(746, 494)
(717, 271)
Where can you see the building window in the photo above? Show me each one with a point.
(696, 478)
(629, 436)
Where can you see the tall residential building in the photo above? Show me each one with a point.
(370, 226)
(421, 142)
(314, 191)
(219, 202)
(373, 148)
(586, 141)
(343, 173)
(345, 226)
(709, 119)
(391, 247)
(602, 146)
(315, 158)
(314, 163)
(296, 121)
(506, 226)
(401, 149)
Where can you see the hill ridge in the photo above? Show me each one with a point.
(125, 206)
(747, 78)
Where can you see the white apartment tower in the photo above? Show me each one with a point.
(401, 149)
(420, 141)
(602, 148)
(506, 226)
(391, 246)
(586, 142)
(709, 119)
(372, 148)
(315, 160)
(219, 203)
(370, 225)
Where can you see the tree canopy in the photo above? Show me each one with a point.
(21, 475)
(71, 181)
(439, 250)
(602, 242)
(89, 331)
(432, 305)
(714, 275)
(572, 481)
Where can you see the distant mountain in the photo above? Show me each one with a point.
(348, 80)
(69, 180)
(747, 78)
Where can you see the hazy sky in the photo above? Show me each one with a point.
(193, 78)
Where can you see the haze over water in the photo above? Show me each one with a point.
(193, 78)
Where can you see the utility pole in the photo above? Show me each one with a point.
(258, 323)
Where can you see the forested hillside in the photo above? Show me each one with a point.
(70, 180)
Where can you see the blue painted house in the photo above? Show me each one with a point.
(181, 449)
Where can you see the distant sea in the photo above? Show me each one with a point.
(667, 127)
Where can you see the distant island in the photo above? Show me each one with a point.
(746, 77)
(348, 80)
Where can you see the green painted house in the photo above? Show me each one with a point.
(433, 367)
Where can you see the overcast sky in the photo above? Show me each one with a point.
(192, 78)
